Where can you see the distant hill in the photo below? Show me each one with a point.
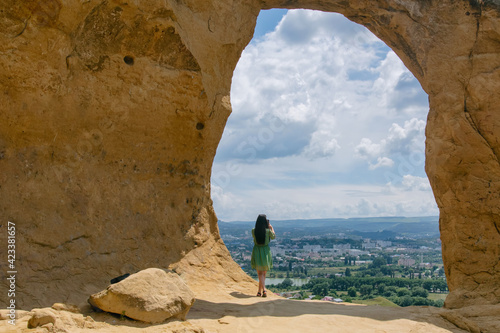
(371, 227)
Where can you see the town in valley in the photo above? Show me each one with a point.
(394, 261)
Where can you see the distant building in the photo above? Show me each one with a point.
(312, 248)
(342, 246)
(369, 245)
(406, 262)
(275, 251)
(355, 252)
(382, 243)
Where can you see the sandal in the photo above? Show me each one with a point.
(258, 294)
(264, 294)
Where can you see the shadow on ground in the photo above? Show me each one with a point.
(246, 306)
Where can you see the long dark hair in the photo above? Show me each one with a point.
(260, 229)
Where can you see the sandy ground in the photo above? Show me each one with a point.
(237, 312)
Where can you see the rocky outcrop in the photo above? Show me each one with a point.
(112, 111)
(152, 296)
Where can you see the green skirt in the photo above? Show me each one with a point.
(262, 259)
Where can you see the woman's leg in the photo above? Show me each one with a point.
(261, 281)
(264, 283)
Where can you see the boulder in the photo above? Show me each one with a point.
(152, 295)
(41, 317)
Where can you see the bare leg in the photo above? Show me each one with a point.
(264, 280)
(261, 281)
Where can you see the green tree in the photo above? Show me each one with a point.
(381, 289)
(428, 285)
(419, 292)
(379, 261)
(403, 292)
(365, 289)
(405, 301)
(421, 301)
(352, 292)
(439, 303)
(286, 283)
(320, 289)
(347, 272)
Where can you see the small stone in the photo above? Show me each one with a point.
(66, 307)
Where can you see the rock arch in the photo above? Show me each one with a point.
(111, 114)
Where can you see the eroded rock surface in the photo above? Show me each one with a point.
(111, 113)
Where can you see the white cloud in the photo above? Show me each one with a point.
(401, 140)
(367, 149)
(332, 201)
(407, 138)
(382, 162)
(321, 145)
(320, 102)
(416, 183)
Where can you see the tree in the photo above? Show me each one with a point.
(347, 272)
(386, 270)
(320, 289)
(365, 289)
(381, 288)
(286, 283)
(405, 301)
(441, 285)
(352, 292)
(439, 303)
(419, 292)
(421, 301)
(403, 292)
(427, 285)
(379, 261)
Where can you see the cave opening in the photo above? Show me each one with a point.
(327, 123)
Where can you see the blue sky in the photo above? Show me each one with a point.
(326, 122)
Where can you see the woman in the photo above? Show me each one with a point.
(262, 260)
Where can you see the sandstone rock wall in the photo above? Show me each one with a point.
(111, 113)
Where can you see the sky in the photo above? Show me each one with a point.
(327, 122)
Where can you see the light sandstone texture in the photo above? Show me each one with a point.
(111, 113)
(152, 295)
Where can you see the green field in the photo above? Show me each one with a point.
(376, 301)
(326, 270)
(435, 297)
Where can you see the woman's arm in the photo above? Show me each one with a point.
(273, 234)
